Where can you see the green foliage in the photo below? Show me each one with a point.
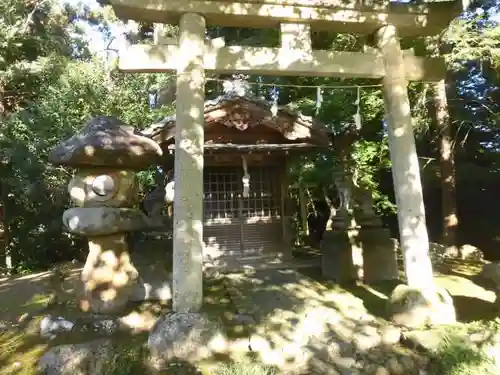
(48, 95)
(455, 356)
(38, 189)
(473, 38)
(370, 157)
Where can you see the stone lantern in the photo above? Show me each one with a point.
(106, 154)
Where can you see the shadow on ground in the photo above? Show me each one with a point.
(285, 319)
(316, 327)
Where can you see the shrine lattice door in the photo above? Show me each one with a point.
(238, 226)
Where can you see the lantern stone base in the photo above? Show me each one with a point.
(109, 277)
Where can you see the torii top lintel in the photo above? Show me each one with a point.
(348, 16)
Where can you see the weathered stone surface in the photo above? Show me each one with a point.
(491, 271)
(106, 142)
(158, 291)
(337, 257)
(380, 370)
(470, 252)
(394, 367)
(352, 253)
(413, 307)
(109, 277)
(367, 338)
(50, 327)
(187, 337)
(430, 339)
(78, 359)
(103, 187)
(380, 260)
(438, 252)
(102, 221)
(410, 365)
(390, 335)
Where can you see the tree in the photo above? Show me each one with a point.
(52, 85)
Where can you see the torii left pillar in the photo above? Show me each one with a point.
(189, 139)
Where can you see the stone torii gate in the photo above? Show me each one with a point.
(191, 55)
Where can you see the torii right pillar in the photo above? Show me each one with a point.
(409, 197)
(405, 165)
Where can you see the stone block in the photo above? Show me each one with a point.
(102, 221)
(103, 187)
(157, 291)
(186, 337)
(88, 358)
(337, 257)
(412, 307)
(379, 255)
(470, 252)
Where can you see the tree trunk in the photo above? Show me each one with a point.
(4, 230)
(447, 167)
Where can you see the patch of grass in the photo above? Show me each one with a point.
(463, 267)
(37, 301)
(244, 369)
(19, 353)
(129, 358)
(457, 356)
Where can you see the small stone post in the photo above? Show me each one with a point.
(106, 153)
(405, 166)
(189, 139)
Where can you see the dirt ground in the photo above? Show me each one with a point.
(20, 348)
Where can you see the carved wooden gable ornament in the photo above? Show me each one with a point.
(242, 113)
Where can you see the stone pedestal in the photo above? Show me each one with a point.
(379, 254)
(107, 152)
(342, 259)
(336, 261)
(357, 246)
(359, 253)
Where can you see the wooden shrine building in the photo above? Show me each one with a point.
(246, 150)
